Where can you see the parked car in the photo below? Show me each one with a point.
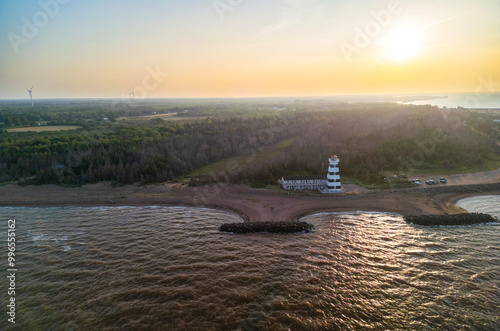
(443, 180)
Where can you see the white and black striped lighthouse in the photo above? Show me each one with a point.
(333, 184)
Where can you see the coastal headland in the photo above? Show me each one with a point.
(253, 205)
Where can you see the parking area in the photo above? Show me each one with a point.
(484, 177)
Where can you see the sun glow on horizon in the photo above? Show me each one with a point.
(403, 44)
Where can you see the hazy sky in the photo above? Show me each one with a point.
(231, 48)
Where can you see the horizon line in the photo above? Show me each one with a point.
(258, 97)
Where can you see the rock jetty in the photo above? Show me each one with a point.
(270, 227)
(454, 219)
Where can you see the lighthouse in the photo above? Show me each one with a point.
(333, 176)
(328, 184)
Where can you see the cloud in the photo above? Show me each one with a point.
(441, 21)
(293, 11)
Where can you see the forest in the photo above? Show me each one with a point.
(370, 139)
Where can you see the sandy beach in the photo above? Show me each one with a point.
(251, 204)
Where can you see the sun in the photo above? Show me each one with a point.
(403, 44)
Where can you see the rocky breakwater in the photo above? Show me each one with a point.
(269, 227)
(453, 219)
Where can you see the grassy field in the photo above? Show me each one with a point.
(45, 128)
(249, 159)
(166, 117)
(391, 184)
(147, 117)
(493, 163)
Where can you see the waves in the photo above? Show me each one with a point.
(489, 204)
(170, 268)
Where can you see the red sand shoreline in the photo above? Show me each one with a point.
(251, 204)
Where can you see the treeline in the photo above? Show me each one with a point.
(128, 154)
(369, 139)
(87, 115)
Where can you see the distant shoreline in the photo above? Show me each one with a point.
(410, 99)
(470, 100)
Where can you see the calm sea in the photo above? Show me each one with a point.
(489, 204)
(158, 268)
(466, 100)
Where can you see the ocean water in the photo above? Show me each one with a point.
(489, 204)
(159, 268)
(466, 100)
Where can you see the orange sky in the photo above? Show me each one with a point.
(101, 49)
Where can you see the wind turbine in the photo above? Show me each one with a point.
(31, 97)
(132, 94)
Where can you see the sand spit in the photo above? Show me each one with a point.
(253, 205)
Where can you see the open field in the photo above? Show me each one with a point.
(45, 128)
(493, 163)
(147, 117)
(253, 158)
(171, 117)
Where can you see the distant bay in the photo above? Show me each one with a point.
(465, 100)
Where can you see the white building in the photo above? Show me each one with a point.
(329, 184)
(301, 183)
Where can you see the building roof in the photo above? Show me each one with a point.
(304, 177)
